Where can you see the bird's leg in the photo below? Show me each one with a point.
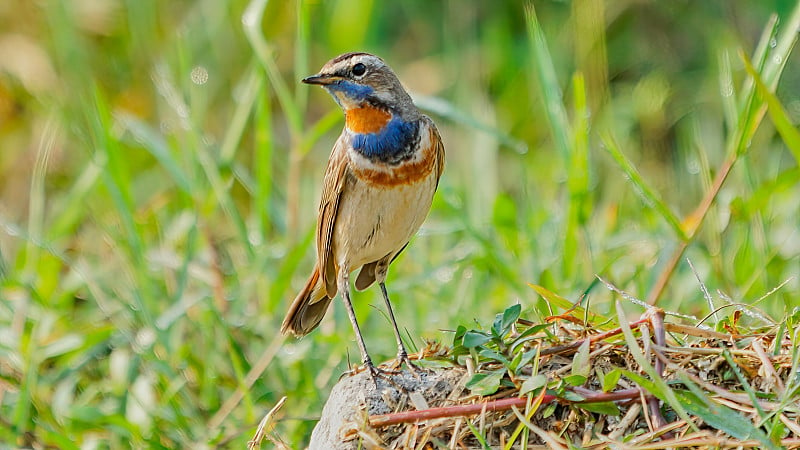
(402, 354)
(344, 288)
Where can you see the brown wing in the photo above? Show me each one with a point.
(439, 151)
(335, 177)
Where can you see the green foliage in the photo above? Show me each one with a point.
(161, 164)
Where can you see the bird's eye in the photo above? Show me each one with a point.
(359, 70)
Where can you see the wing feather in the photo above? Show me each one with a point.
(336, 175)
(437, 138)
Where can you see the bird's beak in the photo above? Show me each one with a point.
(321, 79)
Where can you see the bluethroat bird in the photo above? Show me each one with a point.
(378, 188)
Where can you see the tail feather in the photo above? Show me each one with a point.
(308, 308)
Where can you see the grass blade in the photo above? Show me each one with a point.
(548, 85)
(778, 114)
(719, 416)
(651, 199)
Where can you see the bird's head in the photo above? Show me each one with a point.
(356, 80)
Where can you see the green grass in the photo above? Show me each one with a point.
(156, 222)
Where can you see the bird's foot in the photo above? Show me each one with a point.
(374, 372)
(385, 373)
(402, 358)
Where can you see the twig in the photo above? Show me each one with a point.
(589, 396)
(598, 337)
(696, 331)
(383, 420)
(262, 430)
(695, 219)
(769, 370)
(706, 351)
(630, 417)
(653, 402)
(656, 316)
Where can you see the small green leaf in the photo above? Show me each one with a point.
(580, 362)
(777, 429)
(572, 396)
(611, 379)
(549, 410)
(507, 383)
(526, 358)
(458, 338)
(646, 384)
(605, 408)
(575, 380)
(497, 326)
(510, 316)
(458, 350)
(533, 383)
(485, 383)
(494, 356)
(474, 338)
(502, 322)
(527, 334)
(514, 364)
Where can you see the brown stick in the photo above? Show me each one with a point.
(595, 338)
(590, 396)
(696, 220)
(383, 420)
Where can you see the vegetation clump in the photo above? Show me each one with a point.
(579, 380)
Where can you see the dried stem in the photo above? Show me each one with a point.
(504, 404)
(693, 223)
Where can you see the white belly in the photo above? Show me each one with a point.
(372, 222)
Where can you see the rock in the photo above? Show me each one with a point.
(344, 418)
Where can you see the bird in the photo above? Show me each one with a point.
(378, 188)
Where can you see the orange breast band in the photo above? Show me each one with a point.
(366, 119)
(407, 172)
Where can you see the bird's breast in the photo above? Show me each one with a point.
(420, 165)
(380, 135)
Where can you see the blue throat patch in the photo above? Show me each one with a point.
(357, 92)
(393, 144)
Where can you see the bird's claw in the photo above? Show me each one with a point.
(402, 358)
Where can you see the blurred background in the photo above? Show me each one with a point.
(160, 165)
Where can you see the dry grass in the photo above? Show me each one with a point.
(649, 384)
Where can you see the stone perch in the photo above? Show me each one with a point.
(355, 398)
